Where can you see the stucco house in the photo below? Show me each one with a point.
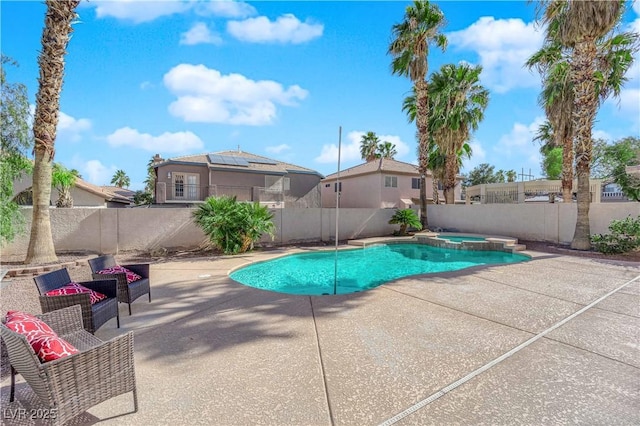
(84, 194)
(191, 179)
(381, 183)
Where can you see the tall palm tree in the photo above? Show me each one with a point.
(457, 102)
(579, 25)
(552, 61)
(63, 180)
(386, 150)
(55, 37)
(420, 28)
(369, 146)
(120, 179)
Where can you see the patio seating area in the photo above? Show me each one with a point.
(498, 344)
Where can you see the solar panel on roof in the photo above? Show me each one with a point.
(261, 161)
(228, 160)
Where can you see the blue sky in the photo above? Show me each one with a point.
(278, 79)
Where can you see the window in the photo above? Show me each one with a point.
(440, 186)
(415, 183)
(335, 187)
(277, 183)
(185, 186)
(391, 181)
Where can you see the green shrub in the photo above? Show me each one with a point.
(405, 218)
(233, 226)
(624, 236)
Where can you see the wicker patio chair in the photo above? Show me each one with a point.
(127, 292)
(71, 385)
(93, 316)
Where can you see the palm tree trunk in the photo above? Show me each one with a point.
(567, 165)
(436, 194)
(422, 121)
(450, 180)
(583, 117)
(55, 37)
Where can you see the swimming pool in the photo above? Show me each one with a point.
(360, 269)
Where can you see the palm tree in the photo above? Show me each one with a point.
(120, 179)
(386, 150)
(579, 25)
(457, 102)
(409, 48)
(437, 159)
(369, 146)
(556, 98)
(55, 37)
(511, 176)
(63, 180)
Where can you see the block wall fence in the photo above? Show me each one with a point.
(103, 230)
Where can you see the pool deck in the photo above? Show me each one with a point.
(210, 351)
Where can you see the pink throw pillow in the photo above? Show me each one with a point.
(75, 288)
(46, 344)
(131, 276)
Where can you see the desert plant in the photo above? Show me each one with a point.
(624, 236)
(405, 218)
(233, 226)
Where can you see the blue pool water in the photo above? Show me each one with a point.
(460, 238)
(360, 269)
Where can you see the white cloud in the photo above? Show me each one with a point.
(285, 29)
(503, 46)
(139, 11)
(166, 142)
(205, 95)
(70, 128)
(601, 134)
(517, 150)
(146, 85)
(200, 34)
(636, 7)
(93, 171)
(278, 148)
(225, 8)
(350, 151)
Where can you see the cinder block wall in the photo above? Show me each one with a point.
(102, 230)
(553, 222)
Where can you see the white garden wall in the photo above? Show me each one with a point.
(103, 230)
(554, 222)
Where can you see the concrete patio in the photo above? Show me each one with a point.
(211, 351)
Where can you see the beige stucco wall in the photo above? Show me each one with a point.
(554, 222)
(368, 191)
(100, 230)
(81, 197)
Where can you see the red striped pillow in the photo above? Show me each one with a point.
(75, 288)
(46, 344)
(131, 276)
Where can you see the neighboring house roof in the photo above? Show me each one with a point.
(123, 192)
(246, 162)
(105, 192)
(378, 166)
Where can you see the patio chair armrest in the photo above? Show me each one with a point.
(141, 269)
(52, 303)
(64, 321)
(98, 374)
(106, 286)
